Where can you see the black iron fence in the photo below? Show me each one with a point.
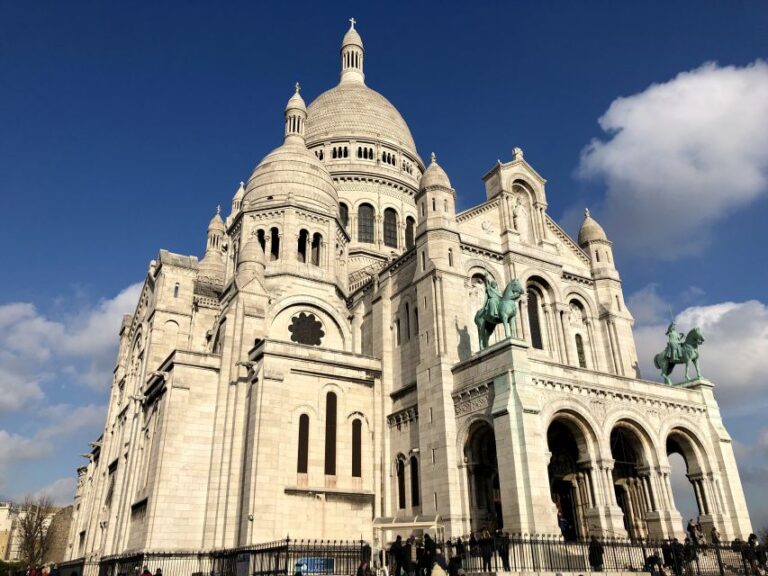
(274, 558)
(527, 554)
(500, 554)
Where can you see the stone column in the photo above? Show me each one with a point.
(524, 323)
(596, 365)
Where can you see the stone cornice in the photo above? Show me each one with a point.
(404, 416)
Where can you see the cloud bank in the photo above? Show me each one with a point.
(680, 156)
(36, 350)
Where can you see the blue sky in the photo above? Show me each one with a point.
(123, 125)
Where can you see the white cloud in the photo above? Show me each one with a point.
(680, 156)
(62, 421)
(647, 306)
(35, 349)
(61, 491)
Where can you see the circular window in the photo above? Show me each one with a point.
(306, 329)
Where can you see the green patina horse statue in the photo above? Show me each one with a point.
(689, 350)
(498, 309)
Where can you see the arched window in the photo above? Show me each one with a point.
(302, 462)
(176, 290)
(357, 449)
(333, 152)
(365, 223)
(410, 224)
(330, 434)
(415, 486)
(407, 321)
(262, 239)
(390, 228)
(450, 257)
(401, 483)
(533, 320)
(302, 248)
(346, 152)
(580, 351)
(317, 241)
(344, 214)
(434, 204)
(274, 253)
(416, 321)
(397, 332)
(359, 152)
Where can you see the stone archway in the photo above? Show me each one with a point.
(570, 481)
(483, 477)
(629, 484)
(684, 445)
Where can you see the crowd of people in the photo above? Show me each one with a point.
(426, 557)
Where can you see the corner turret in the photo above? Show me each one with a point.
(213, 266)
(594, 241)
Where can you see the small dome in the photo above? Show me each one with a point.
(292, 170)
(240, 192)
(296, 102)
(590, 230)
(216, 222)
(352, 38)
(251, 252)
(434, 175)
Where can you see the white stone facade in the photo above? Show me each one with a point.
(319, 368)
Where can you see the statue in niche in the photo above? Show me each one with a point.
(520, 219)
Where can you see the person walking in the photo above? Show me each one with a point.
(714, 536)
(595, 554)
(398, 555)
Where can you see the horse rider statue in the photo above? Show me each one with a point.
(679, 350)
(499, 308)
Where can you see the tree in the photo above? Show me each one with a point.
(33, 521)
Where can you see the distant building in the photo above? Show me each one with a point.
(10, 537)
(318, 372)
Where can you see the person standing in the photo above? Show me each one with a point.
(596, 554)
(714, 536)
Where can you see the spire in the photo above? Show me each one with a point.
(352, 55)
(295, 116)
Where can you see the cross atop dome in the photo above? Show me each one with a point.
(352, 55)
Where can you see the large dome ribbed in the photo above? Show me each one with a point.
(352, 109)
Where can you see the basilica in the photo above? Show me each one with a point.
(320, 373)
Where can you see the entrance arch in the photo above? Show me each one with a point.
(631, 481)
(483, 477)
(698, 499)
(570, 481)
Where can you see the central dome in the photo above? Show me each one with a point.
(353, 109)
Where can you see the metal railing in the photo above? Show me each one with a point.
(287, 556)
(496, 554)
(524, 554)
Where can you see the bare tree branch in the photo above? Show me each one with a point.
(33, 521)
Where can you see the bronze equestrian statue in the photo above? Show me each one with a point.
(498, 309)
(679, 350)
